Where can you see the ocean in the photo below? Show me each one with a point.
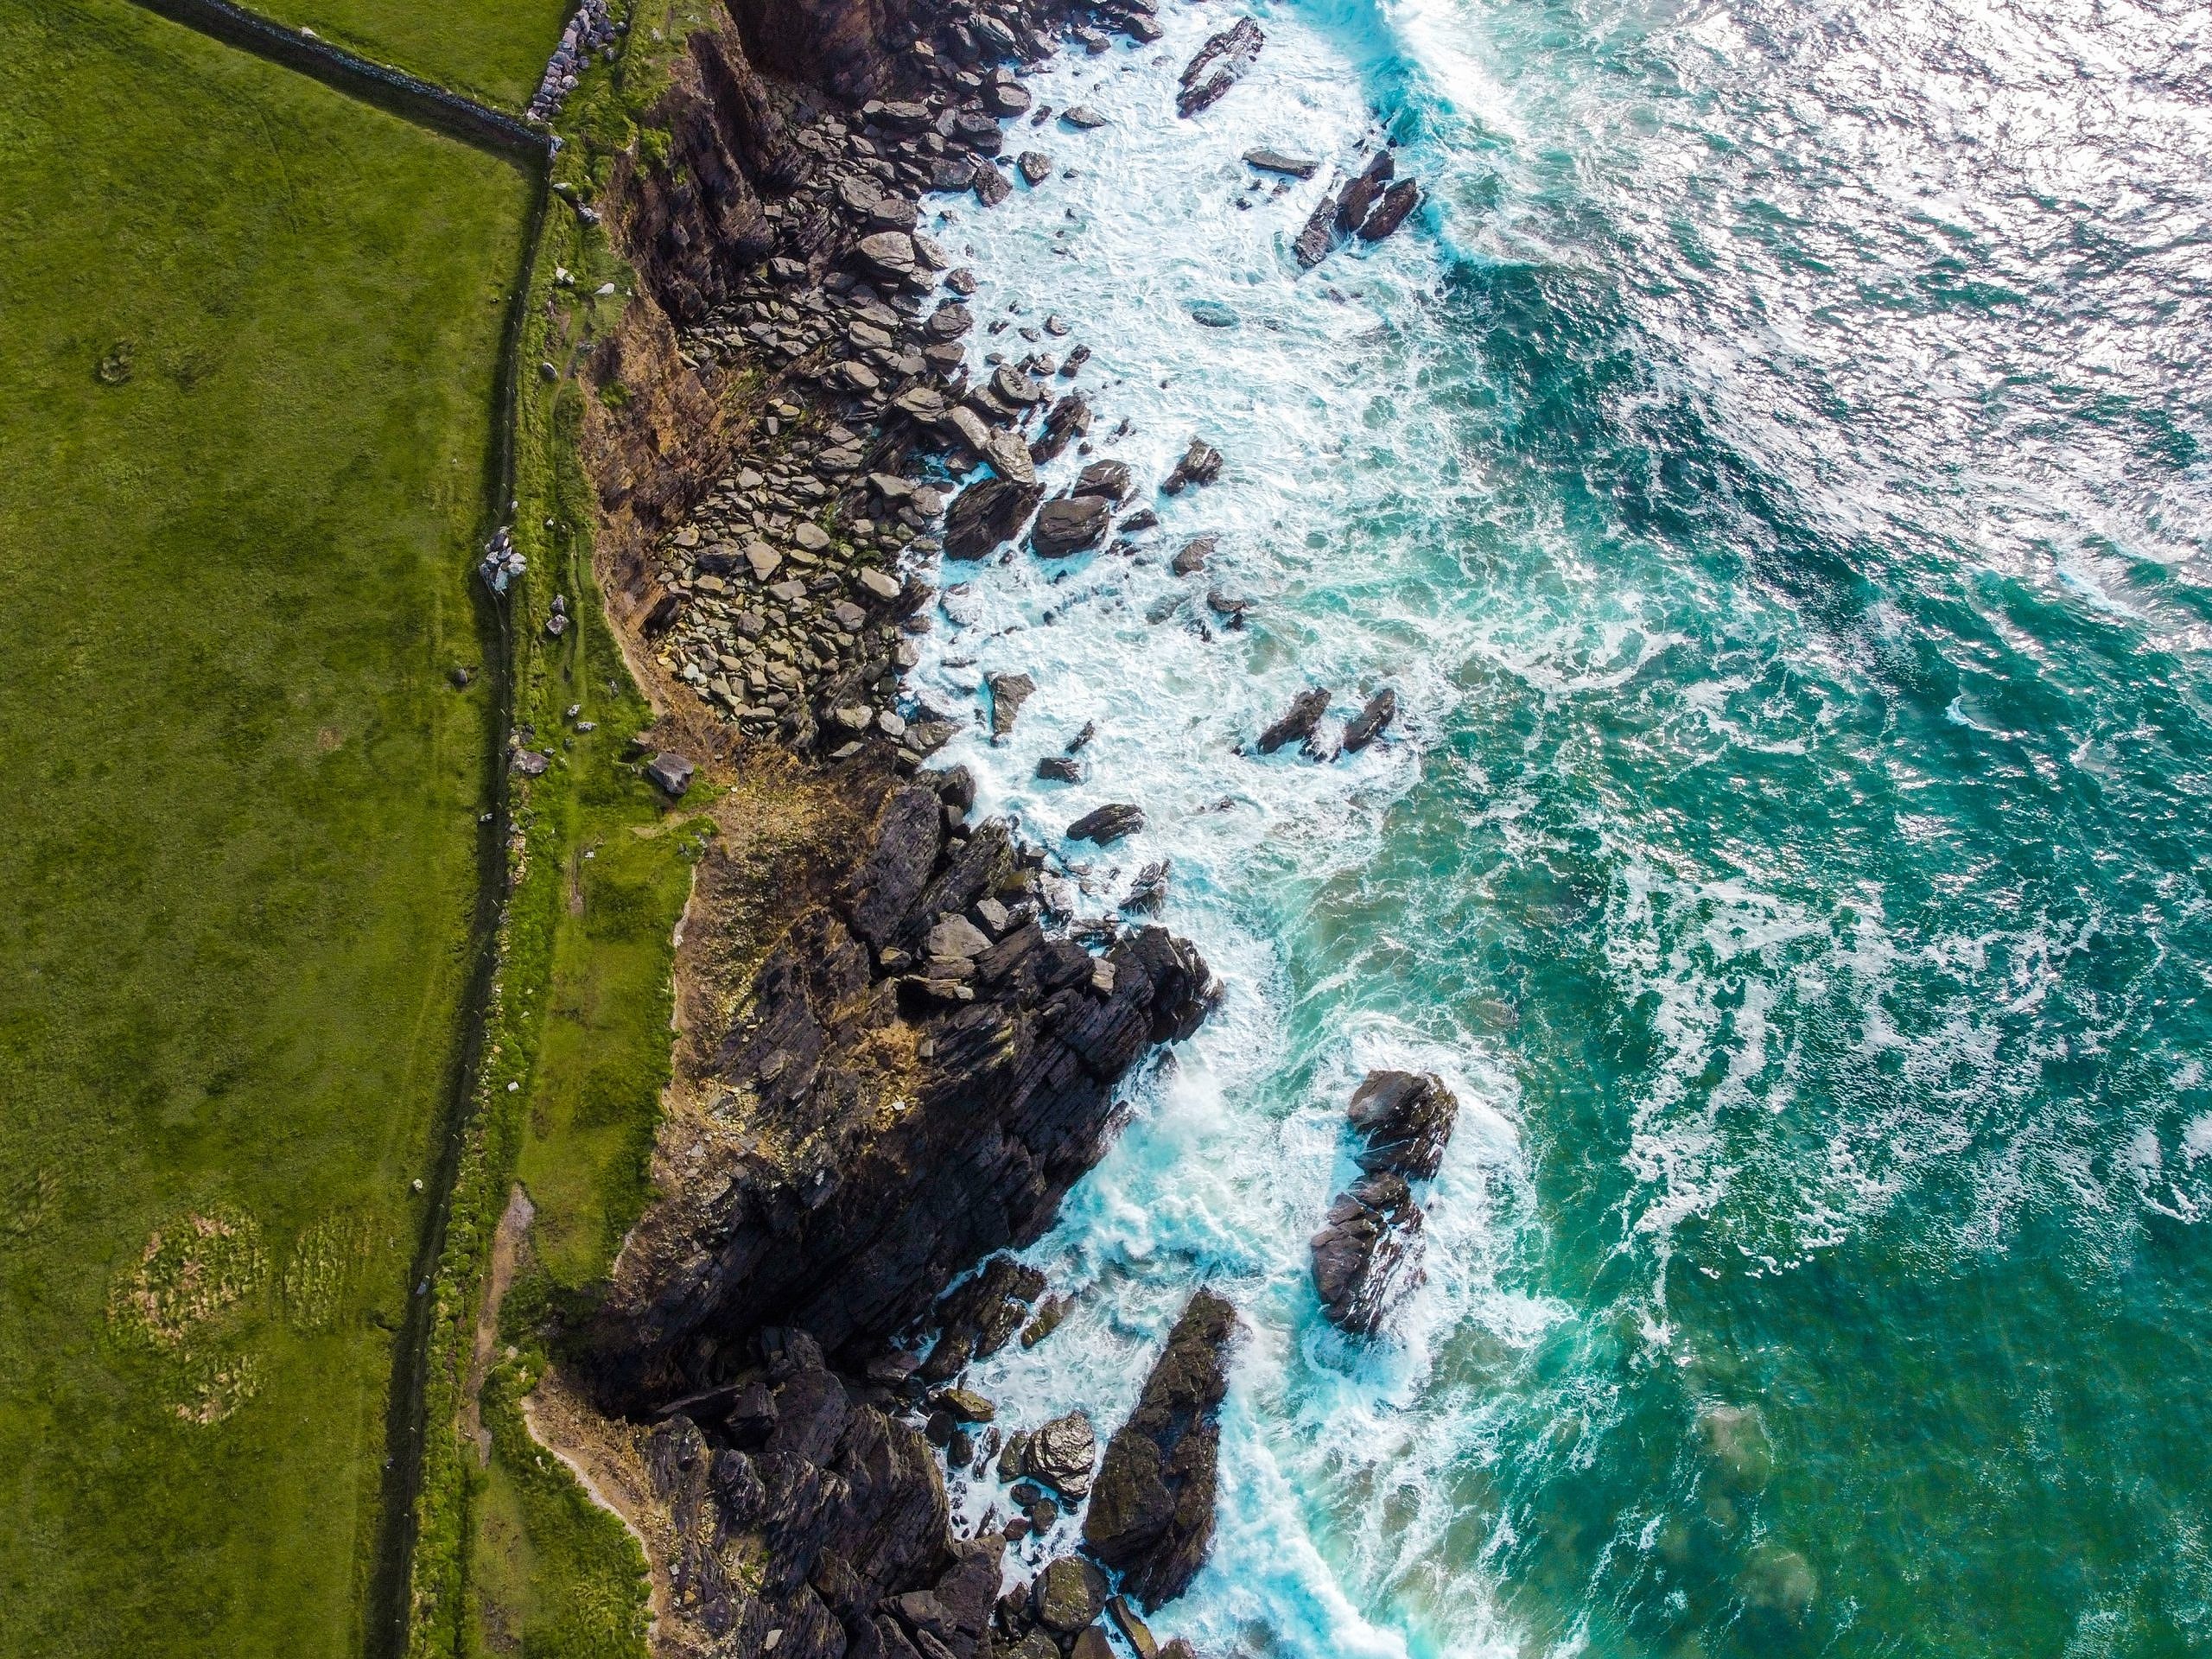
(1770, 469)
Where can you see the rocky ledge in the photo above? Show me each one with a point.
(1151, 1514)
(1366, 1257)
(921, 1072)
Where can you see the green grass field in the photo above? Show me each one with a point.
(247, 383)
(494, 50)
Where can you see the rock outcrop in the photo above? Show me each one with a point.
(807, 1522)
(1219, 64)
(1152, 1511)
(900, 1106)
(1366, 1255)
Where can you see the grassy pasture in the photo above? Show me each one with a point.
(494, 50)
(246, 380)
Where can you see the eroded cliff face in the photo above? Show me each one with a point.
(921, 1074)
(894, 1058)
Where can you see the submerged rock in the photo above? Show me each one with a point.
(1152, 1513)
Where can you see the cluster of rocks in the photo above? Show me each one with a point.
(1300, 723)
(1365, 1256)
(851, 1189)
(1370, 207)
(590, 30)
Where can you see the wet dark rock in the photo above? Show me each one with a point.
(1108, 824)
(1006, 98)
(1060, 769)
(1372, 721)
(1194, 554)
(1152, 1512)
(1390, 211)
(1201, 464)
(1218, 65)
(1298, 722)
(841, 1505)
(992, 186)
(1067, 419)
(1313, 243)
(1034, 166)
(1082, 118)
(1362, 192)
(1404, 1120)
(1109, 478)
(853, 1225)
(1069, 524)
(1149, 890)
(986, 515)
(1008, 693)
(1068, 1595)
(1273, 161)
(1133, 1630)
(982, 1315)
(1364, 1256)
(1063, 1454)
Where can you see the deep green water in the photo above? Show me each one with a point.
(1772, 470)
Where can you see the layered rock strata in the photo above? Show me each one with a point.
(1366, 1257)
(1152, 1512)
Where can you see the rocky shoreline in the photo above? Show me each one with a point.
(923, 1055)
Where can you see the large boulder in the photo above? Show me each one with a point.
(1405, 1119)
(1298, 722)
(1364, 1256)
(1063, 1454)
(1152, 1513)
(1069, 524)
(1108, 824)
(986, 515)
(1218, 65)
(1372, 721)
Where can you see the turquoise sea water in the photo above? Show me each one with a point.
(1771, 469)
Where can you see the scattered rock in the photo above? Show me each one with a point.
(1151, 1514)
(1298, 722)
(1008, 693)
(1372, 721)
(1059, 769)
(1273, 161)
(1069, 525)
(888, 254)
(1082, 118)
(1201, 464)
(1196, 551)
(1108, 824)
(1034, 166)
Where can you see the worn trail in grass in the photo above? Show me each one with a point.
(245, 398)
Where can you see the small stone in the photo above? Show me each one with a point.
(811, 536)
(1082, 117)
(1034, 165)
(883, 587)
